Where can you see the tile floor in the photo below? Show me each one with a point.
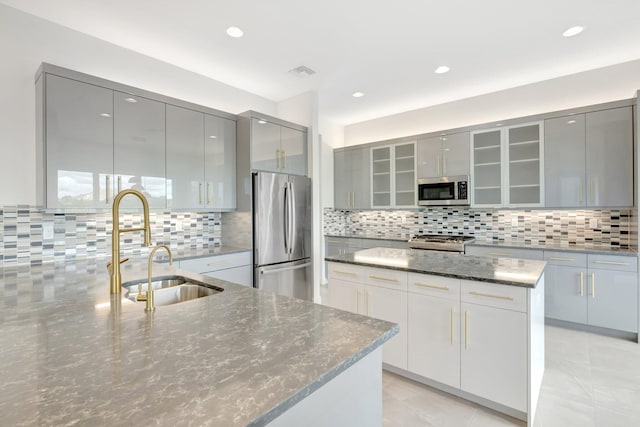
(590, 380)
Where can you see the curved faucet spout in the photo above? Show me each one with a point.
(115, 283)
(150, 302)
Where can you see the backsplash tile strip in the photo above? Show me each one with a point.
(615, 227)
(88, 235)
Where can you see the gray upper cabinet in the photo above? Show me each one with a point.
(185, 162)
(393, 175)
(220, 161)
(589, 159)
(564, 161)
(79, 140)
(609, 159)
(446, 155)
(139, 147)
(351, 179)
(277, 148)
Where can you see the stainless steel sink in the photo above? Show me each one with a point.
(170, 289)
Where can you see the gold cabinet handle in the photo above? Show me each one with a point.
(348, 273)
(367, 298)
(424, 285)
(451, 331)
(610, 262)
(500, 253)
(358, 301)
(591, 190)
(200, 193)
(581, 283)
(444, 164)
(593, 285)
(386, 279)
(559, 258)
(581, 192)
(108, 188)
(438, 160)
(208, 193)
(214, 263)
(480, 294)
(353, 205)
(466, 329)
(119, 183)
(284, 159)
(278, 158)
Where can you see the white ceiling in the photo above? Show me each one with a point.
(386, 49)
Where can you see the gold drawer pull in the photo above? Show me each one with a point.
(386, 279)
(424, 285)
(559, 258)
(610, 262)
(480, 294)
(211, 264)
(581, 283)
(500, 253)
(345, 272)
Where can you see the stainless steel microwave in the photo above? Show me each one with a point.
(444, 191)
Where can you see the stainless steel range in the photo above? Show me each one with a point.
(439, 242)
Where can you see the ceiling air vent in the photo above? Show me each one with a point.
(302, 71)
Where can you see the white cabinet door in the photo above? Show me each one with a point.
(430, 157)
(434, 338)
(494, 354)
(79, 144)
(346, 296)
(139, 148)
(240, 275)
(565, 290)
(390, 305)
(613, 299)
(185, 164)
(455, 154)
(220, 162)
(609, 147)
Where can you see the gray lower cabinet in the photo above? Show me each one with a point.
(589, 159)
(351, 179)
(597, 290)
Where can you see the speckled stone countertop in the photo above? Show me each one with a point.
(586, 247)
(71, 354)
(183, 253)
(506, 271)
(368, 236)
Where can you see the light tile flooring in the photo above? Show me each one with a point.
(589, 380)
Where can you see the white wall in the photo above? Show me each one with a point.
(26, 41)
(591, 87)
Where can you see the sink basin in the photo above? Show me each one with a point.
(170, 289)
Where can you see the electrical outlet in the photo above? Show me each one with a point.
(593, 223)
(47, 230)
(514, 221)
(179, 226)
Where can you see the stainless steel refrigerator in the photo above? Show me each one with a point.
(282, 234)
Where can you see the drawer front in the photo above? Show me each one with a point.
(216, 262)
(374, 243)
(493, 295)
(536, 254)
(347, 272)
(437, 286)
(568, 259)
(344, 241)
(381, 277)
(613, 262)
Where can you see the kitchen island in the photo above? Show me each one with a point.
(71, 353)
(471, 326)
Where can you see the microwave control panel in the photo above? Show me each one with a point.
(462, 190)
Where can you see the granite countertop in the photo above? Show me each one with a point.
(506, 271)
(70, 353)
(583, 247)
(186, 252)
(368, 236)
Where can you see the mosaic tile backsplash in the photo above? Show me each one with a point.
(617, 228)
(24, 237)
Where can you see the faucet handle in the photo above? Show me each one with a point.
(110, 264)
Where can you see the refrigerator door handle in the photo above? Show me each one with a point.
(292, 217)
(286, 219)
(280, 270)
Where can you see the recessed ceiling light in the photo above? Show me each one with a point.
(573, 31)
(357, 94)
(212, 136)
(442, 69)
(105, 114)
(234, 32)
(131, 100)
(261, 122)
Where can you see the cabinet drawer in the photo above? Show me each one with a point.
(344, 241)
(348, 272)
(493, 295)
(437, 286)
(569, 259)
(504, 252)
(384, 278)
(613, 262)
(216, 262)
